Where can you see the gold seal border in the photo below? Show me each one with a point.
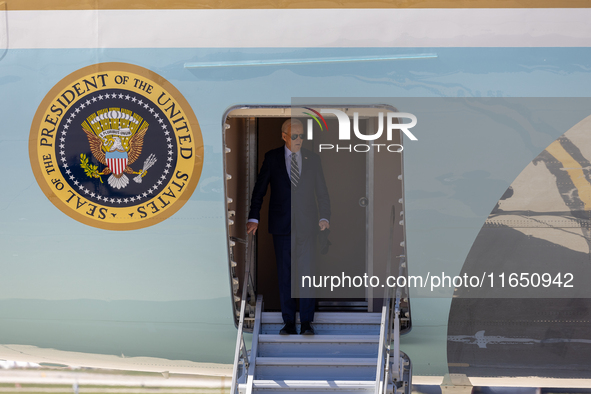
(153, 77)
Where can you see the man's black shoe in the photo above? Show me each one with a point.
(288, 329)
(307, 329)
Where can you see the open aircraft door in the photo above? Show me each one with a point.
(365, 183)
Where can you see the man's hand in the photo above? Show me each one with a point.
(251, 227)
(323, 225)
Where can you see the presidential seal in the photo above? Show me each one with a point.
(116, 146)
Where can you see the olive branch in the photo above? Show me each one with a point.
(90, 169)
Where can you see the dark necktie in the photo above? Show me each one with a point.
(295, 170)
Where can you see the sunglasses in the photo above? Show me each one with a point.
(295, 136)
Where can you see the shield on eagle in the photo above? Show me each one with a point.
(117, 161)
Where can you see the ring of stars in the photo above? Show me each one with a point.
(68, 173)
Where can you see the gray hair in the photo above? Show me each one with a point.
(290, 122)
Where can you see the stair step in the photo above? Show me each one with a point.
(306, 362)
(310, 386)
(318, 338)
(329, 317)
(324, 329)
(318, 368)
(329, 323)
(318, 346)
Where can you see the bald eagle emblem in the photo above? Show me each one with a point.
(116, 138)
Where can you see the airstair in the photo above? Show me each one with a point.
(351, 351)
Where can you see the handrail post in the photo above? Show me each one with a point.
(239, 341)
(255, 343)
(396, 334)
(396, 328)
(241, 352)
(390, 328)
(383, 345)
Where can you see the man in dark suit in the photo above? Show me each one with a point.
(298, 196)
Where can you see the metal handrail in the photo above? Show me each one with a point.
(241, 354)
(255, 343)
(385, 327)
(389, 343)
(395, 329)
(383, 350)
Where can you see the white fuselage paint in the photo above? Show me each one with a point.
(291, 28)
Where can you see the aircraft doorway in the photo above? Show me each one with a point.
(352, 186)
